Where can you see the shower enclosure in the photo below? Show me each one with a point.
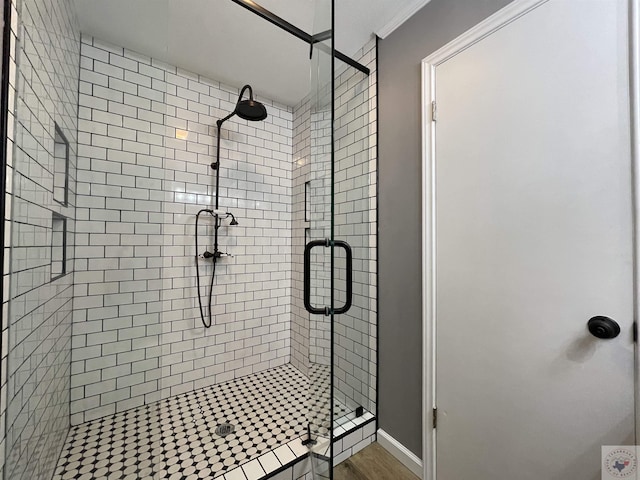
(108, 371)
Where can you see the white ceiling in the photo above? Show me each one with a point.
(223, 41)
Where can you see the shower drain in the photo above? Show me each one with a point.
(224, 429)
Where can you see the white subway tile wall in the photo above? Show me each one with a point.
(138, 336)
(320, 215)
(301, 175)
(44, 93)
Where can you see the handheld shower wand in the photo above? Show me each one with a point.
(216, 214)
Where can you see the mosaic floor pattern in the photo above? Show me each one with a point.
(176, 438)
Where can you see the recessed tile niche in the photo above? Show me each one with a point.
(60, 168)
(58, 246)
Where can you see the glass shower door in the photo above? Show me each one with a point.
(340, 275)
(340, 249)
(355, 222)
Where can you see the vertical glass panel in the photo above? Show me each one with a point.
(43, 222)
(355, 223)
(85, 246)
(321, 229)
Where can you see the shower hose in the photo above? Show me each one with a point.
(213, 274)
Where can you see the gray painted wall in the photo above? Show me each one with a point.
(400, 323)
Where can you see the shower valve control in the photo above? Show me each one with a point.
(208, 255)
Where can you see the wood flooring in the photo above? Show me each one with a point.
(372, 463)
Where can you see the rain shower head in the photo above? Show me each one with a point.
(250, 109)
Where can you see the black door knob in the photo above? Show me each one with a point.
(603, 327)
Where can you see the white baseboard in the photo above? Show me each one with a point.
(402, 453)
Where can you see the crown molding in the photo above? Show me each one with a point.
(402, 16)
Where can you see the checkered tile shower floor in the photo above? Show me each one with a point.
(175, 438)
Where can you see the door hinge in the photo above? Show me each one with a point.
(635, 332)
(434, 111)
(435, 417)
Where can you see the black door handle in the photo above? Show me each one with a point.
(603, 327)
(347, 304)
(307, 277)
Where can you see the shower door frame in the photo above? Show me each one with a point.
(4, 124)
(280, 22)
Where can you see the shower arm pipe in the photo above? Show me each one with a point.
(217, 197)
(219, 123)
(216, 165)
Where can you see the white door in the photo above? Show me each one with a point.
(533, 237)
